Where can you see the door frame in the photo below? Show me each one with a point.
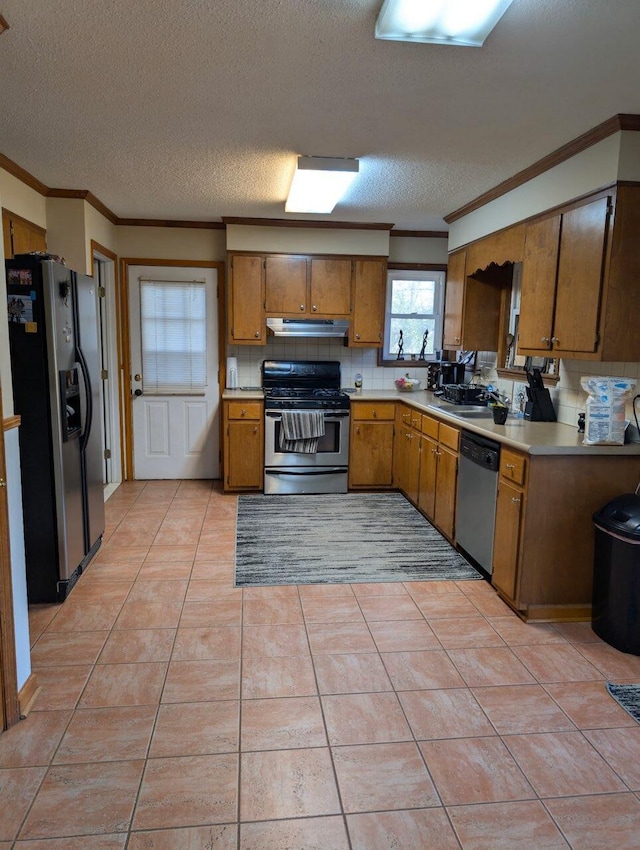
(114, 347)
(125, 337)
(9, 700)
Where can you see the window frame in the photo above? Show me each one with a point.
(397, 271)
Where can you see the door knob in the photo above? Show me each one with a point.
(137, 392)
(137, 377)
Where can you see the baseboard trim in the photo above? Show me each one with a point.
(27, 695)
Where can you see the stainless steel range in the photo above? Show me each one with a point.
(299, 395)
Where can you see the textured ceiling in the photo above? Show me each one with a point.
(197, 109)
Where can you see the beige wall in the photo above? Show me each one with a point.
(100, 230)
(307, 240)
(22, 199)
(405, 249)
(66, 231)
(171, 243)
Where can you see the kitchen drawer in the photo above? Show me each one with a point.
(449, 436)
(513, 466)
(430, 426)
(377, 411)
(244, 410)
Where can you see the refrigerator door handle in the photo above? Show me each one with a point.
(88, 398)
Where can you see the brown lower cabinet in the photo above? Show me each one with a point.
(439, 474)
(243, 445)
(371, 445)
(544, 536)
(425, 466)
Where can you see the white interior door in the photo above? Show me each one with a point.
(176, 405)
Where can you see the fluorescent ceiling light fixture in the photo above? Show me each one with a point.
(319, 182)
(464, 23)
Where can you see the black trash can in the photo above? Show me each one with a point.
(615, 614)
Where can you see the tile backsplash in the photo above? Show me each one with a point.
(352, 361)
(568, 396)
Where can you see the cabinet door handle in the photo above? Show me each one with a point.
(515, 500)
(257, 334)
(555, 340)
(457, 339)
(357, 336)
(357, 429)
(302, 307)
(315, 308)
(374, 413)
(255, 429)
(510, 465)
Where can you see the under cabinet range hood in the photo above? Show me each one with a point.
(308, 327)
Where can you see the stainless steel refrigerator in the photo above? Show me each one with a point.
(55, 363)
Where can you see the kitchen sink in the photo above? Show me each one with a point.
(482, 413)
(464, 411)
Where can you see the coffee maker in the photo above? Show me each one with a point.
(451, 373)
(442, 372)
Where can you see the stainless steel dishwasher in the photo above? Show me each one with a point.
(477, 496)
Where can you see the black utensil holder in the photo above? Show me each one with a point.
(539, 408)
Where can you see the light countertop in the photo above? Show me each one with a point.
(535, 438)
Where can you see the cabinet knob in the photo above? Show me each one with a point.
(357, 429)
(510, 465)
(555, 340)
(302, 307)
(255, 429)
(515, 500)
(357, 336)
(457, 339)
(379, 334)
(545, 339)
(374, 413)
(257, 334)
(315, 308)
(243, 412)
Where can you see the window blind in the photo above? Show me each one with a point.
(173, 329)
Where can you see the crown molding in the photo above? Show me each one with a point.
(158, 222)
(421, 234)
(562, 154)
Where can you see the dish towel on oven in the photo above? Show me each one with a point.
(300, 430)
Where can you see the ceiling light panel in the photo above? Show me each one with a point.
(464, 23)
(319, 183)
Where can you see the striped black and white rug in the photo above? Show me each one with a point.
(352, 538)
(628, 696)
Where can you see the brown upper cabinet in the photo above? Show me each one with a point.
(472, 307)
(562, 281)
(303, 286)
(245, 315)
(580, 296)
(506, 246)
(369, 286)
(21, 236)
(289, 285)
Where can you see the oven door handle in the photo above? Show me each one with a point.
(329, 414)
(306, 471)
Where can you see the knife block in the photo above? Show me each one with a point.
(539, 408)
